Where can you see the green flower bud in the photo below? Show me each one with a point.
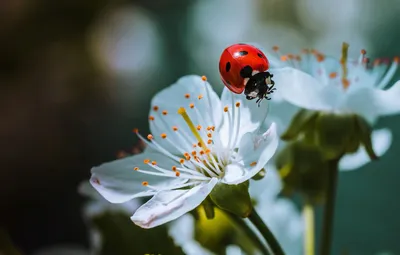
(233, 198)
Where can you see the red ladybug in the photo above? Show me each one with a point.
(243, 67)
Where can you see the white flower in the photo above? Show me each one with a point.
(281, 216)
(325, 84)
(197, 141)
(315, 83)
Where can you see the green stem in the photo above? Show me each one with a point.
(266, 233)
(327, 225)
(250, 233)
(309, 236)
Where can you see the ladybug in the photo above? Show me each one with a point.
(243, 67)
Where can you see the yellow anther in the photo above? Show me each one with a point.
(146, 161)
(164, 112)
(181, 161)
(343, 62)
(200, 96)
(154, 163)
(191, 105)
(150, 136)
(204, 78)
(145, 183)
(177, 173)
(163, 135)
(151, 117)
(237, 104)
(136, 168)
(174, 168)
(209, 141)
(135, 130)
(187, 96)
(155, 108)
(189, 122)
(175, 128)
(226, 109)
(198, 127)
(253, 163)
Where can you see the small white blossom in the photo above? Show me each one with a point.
(315, 82)
(197, 141)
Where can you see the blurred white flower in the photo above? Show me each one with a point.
(191, 151)
(281, 216)
(316, 83)
(125, 40)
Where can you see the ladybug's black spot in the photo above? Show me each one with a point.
(243, 53)
(228, 66)
(246, 72)
(260, 55)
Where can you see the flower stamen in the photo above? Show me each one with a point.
(343, 62)
(189, 122)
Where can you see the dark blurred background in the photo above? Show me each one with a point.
(77, 76)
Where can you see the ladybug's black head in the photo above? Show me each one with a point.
(256, 86)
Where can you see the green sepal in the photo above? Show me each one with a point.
(208, 208)
(365, 137)
(300, 123)
(233, 198)
(336, 134)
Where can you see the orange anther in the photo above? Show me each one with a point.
(187, 96)
(275, 48)
(226, 109)
(284, 58)
(237, 104)
(209, 135)
(204, 78)
(346, 83)
(174, 168)
(150, 136)
(198, 127)
(194, 153)
(146, 161)
(253, 163)
(136, 168)
(320, 57)
(177, 174)
(202, 152)
(194, 145)
(199, 144)
(153, 163)
(333, 75)
(396, 59)
(151, 118)
(200, 96)
(181, 161)
(164, 112)
(135, 130)
(175, 128)
(191, 105)
(163, 135)
(155, 108)
(209, 141)
(208, 151)
(145, 183)
(363, 52)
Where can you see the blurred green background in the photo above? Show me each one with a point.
(77, 76)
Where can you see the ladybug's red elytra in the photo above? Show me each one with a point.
(243, 67)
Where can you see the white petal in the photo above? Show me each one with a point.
(255, 148)
(117, 182)
(166, 206)
(172, 98)
(372, 103)
(251, 116)
(303, 90)
(381, 141)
